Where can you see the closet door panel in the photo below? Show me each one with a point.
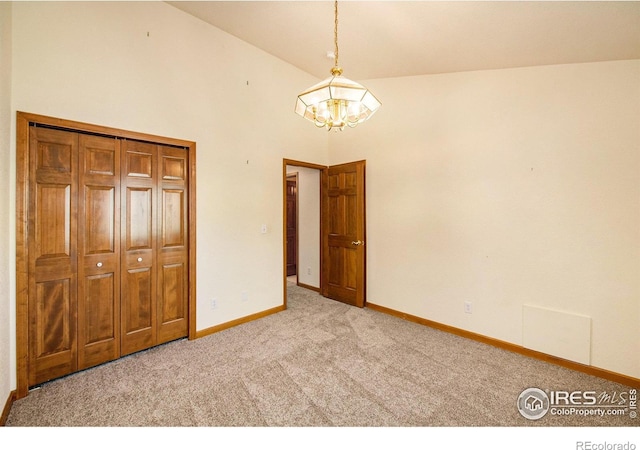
(173, 224)
(53, 307)
(99, 251)
(139, 220)
(99, 317)
(173, 276)
(139, 273)
(53, 219)
(52, 287)
(53, 334)
(99, 220)
(137, 310)
(172, 300)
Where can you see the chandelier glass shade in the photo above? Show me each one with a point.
(336, 102)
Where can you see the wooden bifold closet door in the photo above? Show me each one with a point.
(98, 250)
(154, 245)
(53, 254)
(108, 249)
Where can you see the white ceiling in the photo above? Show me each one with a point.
(393, 38)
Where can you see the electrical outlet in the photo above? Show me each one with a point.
(245, 296)
(467, 307)
(214, 303)
(308, 270)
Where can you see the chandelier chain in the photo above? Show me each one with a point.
(335, 33)
(336, 102)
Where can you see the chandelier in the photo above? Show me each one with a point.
(336, 102)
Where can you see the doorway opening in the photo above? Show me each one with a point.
(302, 182)
(329, 252)
(292, 227)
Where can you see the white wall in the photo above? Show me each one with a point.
(7, 330)
(507, 188)
(308, 224)
(148, 67)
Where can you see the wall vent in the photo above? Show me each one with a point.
(562, 334)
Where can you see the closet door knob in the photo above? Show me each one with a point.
(99, 264)
(139, 259)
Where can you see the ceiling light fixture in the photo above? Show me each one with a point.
(337, 101)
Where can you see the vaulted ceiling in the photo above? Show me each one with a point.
(379, 39)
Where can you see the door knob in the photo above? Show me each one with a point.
(139, 259)
(358, 242)
(99, 264)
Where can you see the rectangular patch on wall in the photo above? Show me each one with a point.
(562, 334)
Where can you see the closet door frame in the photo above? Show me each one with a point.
(23, 122)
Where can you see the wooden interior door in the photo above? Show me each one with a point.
(52, 254)
(98, 250)
(138, 290)
(173, 239)
(292, 225)
(344, 251)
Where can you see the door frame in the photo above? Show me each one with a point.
(23, 121)
(322, 169)
(324, 173)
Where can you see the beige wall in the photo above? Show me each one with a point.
(7, 330)
(508, 188)
(94, 62)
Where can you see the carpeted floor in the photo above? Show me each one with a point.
(320, 363)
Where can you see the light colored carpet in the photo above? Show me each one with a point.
(320, 363)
